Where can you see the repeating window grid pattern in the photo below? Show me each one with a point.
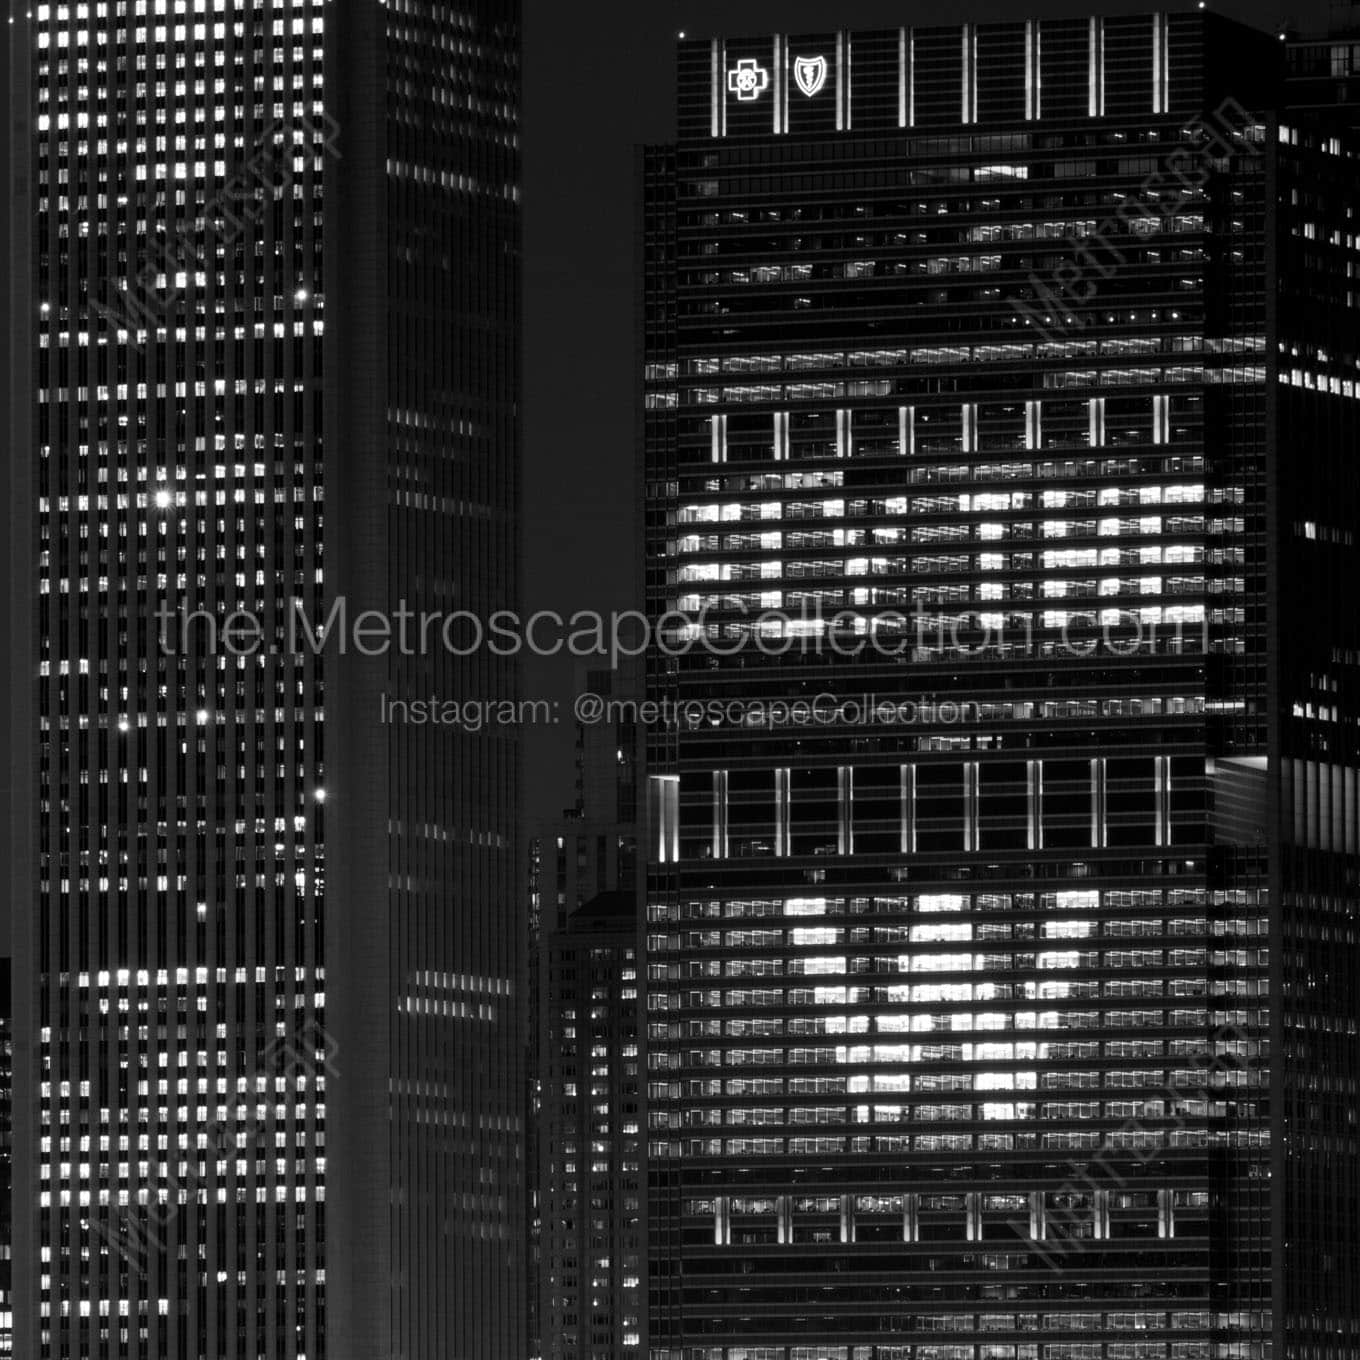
(593, 1300)
(181, 873)
(758, 1144)
(452, 220)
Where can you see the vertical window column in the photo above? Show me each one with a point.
(1034, 424)
(718, 80)
(1162, 777)
(1033, 67)
(780, 62)
(1098, 804)
(720, 840)
(844, 438)
(969, 420)
(782, 838)
(906, 429)
(1038, 1220)
(1100, 1215)
(663, 803)
(781, 436)
(906, 82)
(1166, 1213)
(845, 831)
(968, 113)
(907, 798)
(1095, 102)
(971, 835)
(1161, 64)
(842, 82)
(1161, 419)
(1034, 797)
(911, 1218)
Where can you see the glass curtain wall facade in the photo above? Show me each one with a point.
(218, 210)
(967, 420)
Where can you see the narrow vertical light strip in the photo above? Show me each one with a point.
(782, 847)
(719, 814)
(911, 78)
(1100, 1212)
(1034, 424)
(718, 90)
(1030, 73)
(847, 1218)
(907, 809)
(840, 82)
(784, 1211)
(1166, 64)
(1038, 1227)
(902, 79)
(781, 436)
(1098, 803)
(1161, 419)
(903, 430)
(845, 835)
(722, 438)
(715, 434)
(848, 84)
(787, 83)
(1095, 69)
(842, 433)
(966, 109)
(1163, 788)
(1157, 64)
(780, 100)
(972, 837)
(1038, 70)
(970, 418)
(1097, 414)
(911, 1217)
(1161, 63)
(1297, 801)
(1034, 800)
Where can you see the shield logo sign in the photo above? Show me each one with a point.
(810, 73)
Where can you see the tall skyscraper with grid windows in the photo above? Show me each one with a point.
(1001, 945)
(263, 363)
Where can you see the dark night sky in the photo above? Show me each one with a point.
(599, 81)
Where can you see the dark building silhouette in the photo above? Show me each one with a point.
(586, 1234)
(268, 946)
(1000, 394)
(593, 1188)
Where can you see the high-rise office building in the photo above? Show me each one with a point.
(1000, 1001)
(588, 1253)
(592, 1303)
(264, 368)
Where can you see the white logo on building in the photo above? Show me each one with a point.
(810, 73)
(748, 79)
